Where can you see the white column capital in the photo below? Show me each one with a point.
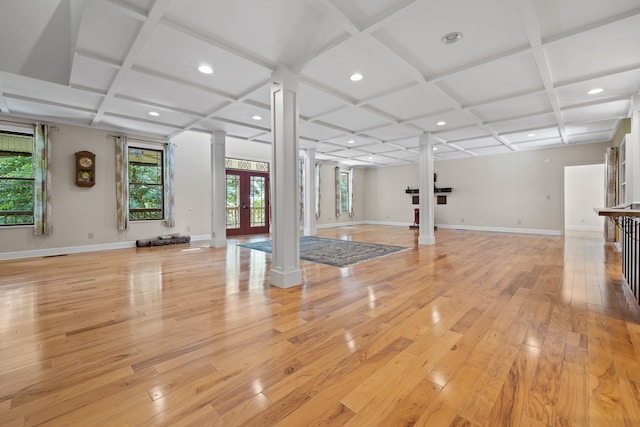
(283, 76)
(218, 137)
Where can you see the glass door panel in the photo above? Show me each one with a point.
(247, 202)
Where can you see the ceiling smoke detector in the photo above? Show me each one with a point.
(450, 38)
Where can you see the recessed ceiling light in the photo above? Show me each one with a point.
(356, 77)
(351, 141)
(154, 113)
(370, 158)
(453, 37)
(441, 123)
(435, 148)
(595, 91)
(256, 117)
(205, 69)
(531, 135)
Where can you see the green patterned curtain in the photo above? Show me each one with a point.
(338, 201)
(169, 193)
(42, 160)
(122, 182)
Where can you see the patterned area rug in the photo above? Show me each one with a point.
(339, 253)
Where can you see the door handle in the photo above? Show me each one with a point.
(244, 206)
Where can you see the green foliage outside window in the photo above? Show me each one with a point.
(344, 192)
(146, 184)
(16, 180)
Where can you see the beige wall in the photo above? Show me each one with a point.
(387, 200)
(77, 212)
(328, 194)
(515, 191)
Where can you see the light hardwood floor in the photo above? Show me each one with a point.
(482, 329)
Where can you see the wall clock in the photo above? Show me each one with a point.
(85, 169)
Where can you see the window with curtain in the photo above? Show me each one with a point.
(317, 189)
(17, 179)
(344, 192)
(146, 184)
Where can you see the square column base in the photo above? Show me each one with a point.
(218, 243)
(426, 240)
(286, 280)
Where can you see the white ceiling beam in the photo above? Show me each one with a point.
(166, 77)
(50, 103)
(76, 8)
(329, 9)
(529, 20)
(127, 9)
(138, 119)
(608, 73)
(417, 76)
(4, 107)
(155, 14)
(386, 93)
(341, 19)
(99, 58)
(592, 26)
(220, 43)
(88, 90)
(192, 114)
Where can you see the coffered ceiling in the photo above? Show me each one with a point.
(516, 80)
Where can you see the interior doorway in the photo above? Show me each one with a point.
(247, 202)
(583, 191)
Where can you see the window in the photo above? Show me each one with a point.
(344, 192)
(17, 179)
(317, 189)
(146, 184)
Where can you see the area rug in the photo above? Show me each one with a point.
(339, 253)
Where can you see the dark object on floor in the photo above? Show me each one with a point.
(168, 239)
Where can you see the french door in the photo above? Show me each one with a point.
(247, 202)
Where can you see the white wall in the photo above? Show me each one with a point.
(584, 190)
(520, 191)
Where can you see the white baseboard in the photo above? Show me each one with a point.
(585, 228)
(200, 237)
(397, 224)
(500, 229)
(66, 250)
(340, 224)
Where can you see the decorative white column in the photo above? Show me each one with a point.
(285, 258)
(310, 192)
(427, 236)
(218, 191)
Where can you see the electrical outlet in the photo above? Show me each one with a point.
(188, 228)
(90, 236)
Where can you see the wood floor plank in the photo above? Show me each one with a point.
(482, 329)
